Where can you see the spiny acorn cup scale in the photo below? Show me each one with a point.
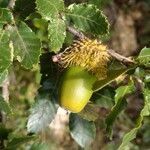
(75, 88)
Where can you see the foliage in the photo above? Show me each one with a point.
(57, 34)
(88, 18)
(145, 112)
(121, 92)
(26, 45)
(50, 8)
(30, 34)
(81, 130)
(41, 114)
(15, 142)
(4, 106)
(144, 57)
(5, 61)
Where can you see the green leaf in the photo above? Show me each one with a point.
(104, 97)
(82, 131)
(144, 112)
(42, 114)
(144, 57)
(39, 146)
(4, 132)
(4, 3)
(50, 8)
(140, 72)
(6, 54)
(57, 34)
(147, 78)
(3, 76)
(4, 106)
(117, 108)
(87, 18)
(120, 102)
(5, 17)
(39, 23)
(123, 90)
(16, 142)
(90, 112)
(26, 45)
(114, 71)
(146, 131)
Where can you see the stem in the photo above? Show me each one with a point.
(5, 90)
(80, 35)
(124, 60)
(75, 32)
(11, 4)
(5, 94)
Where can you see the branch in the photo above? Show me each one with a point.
(5, 94)
(124, 60)
(5, 90)
(11, 4)
(80, 35)
(72, 30)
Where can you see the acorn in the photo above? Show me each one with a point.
(76, 88)
(86, 62)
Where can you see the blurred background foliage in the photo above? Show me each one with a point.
(129, 32)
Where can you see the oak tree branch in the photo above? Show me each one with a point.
(123, 59)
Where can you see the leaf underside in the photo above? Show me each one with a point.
(81, 130)
(41, 115)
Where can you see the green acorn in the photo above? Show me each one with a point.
(86, 61)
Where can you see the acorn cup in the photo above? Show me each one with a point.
(86, 62)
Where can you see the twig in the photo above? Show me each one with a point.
(80, 35)
(5, 90)
(124, 60)
(76, 33)
(5, 94)
(11, 4)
